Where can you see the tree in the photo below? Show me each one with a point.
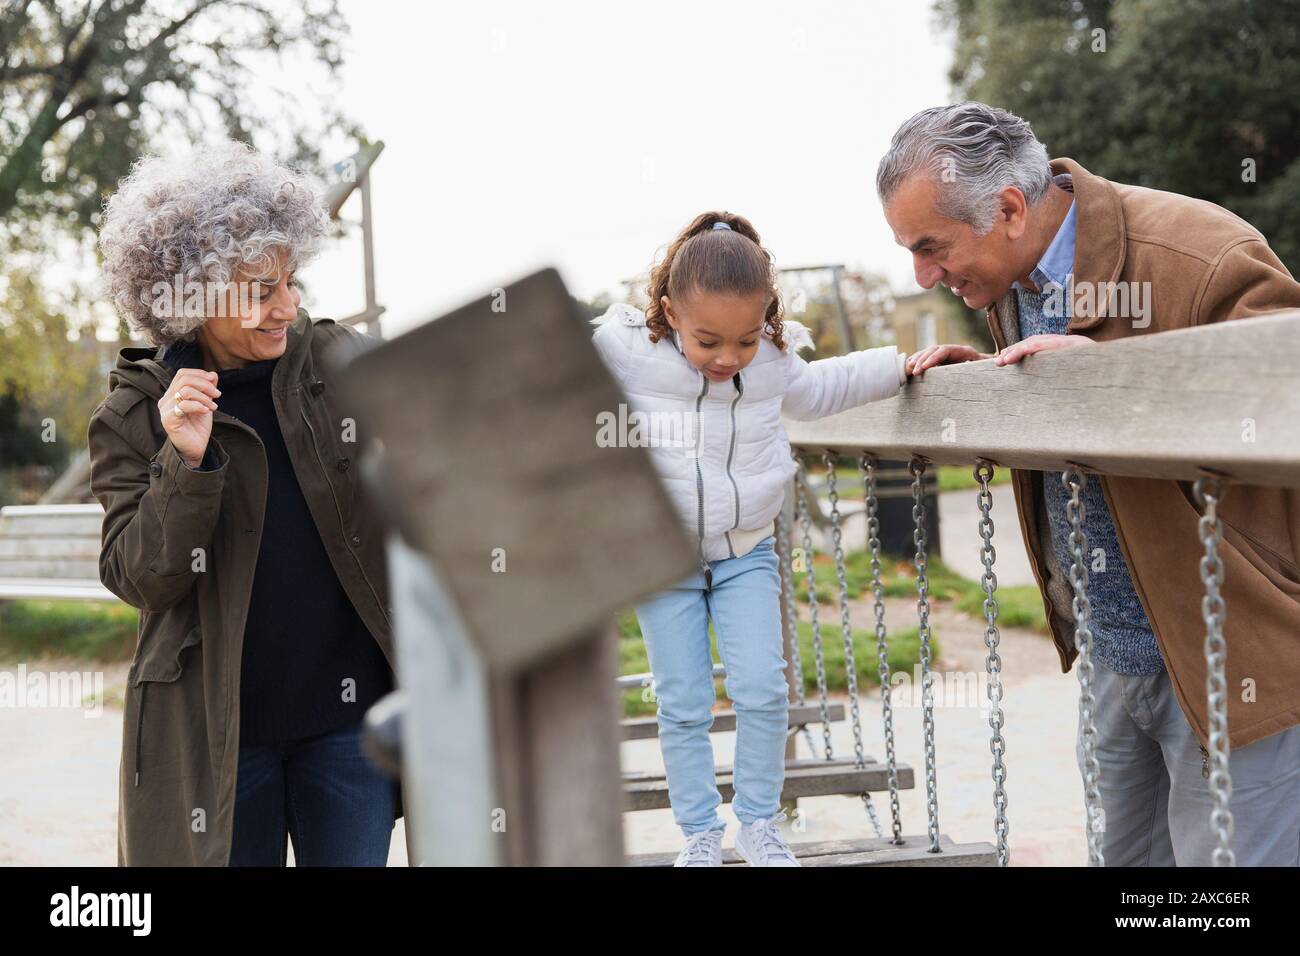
(1192, 96)
(87, 87)
(51, 378)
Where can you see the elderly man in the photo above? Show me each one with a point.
(1045, 247)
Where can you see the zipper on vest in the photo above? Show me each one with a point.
(1205, 763)
(302, 407)
(731, 455)
(139, 731)
(699, 482)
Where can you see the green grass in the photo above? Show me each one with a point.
(959, 478)
(897, 576)
(100, 631)
(848, 481)
(1019, 605)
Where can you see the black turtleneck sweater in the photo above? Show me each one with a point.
(306, 652)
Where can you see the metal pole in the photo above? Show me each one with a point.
(846, 333)
(368, 246)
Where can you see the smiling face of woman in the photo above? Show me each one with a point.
(719, 333)
(252, 324)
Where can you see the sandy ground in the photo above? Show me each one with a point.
(58, 785)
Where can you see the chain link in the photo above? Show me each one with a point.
(917, 468)
(805, 524)
(1074, 481)
(983, 473)
(846, 628)
(1208, 492)
(867, 465)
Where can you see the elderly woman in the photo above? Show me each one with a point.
(233, 522)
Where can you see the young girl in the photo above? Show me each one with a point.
(712, 351)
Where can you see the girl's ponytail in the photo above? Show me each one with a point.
(708, 258)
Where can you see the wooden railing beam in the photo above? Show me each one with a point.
(1222, 398)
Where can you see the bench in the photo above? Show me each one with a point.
(51, 552)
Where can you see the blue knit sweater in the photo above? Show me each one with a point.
(1122, 638)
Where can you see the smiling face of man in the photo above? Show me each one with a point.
(977, 268)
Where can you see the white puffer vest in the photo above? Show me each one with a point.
(720, 448)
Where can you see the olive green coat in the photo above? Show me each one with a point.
(181, 545)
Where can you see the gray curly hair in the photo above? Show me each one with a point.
(201, 218)
(973, 151)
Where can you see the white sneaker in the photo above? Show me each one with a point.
(702, 849)
(760, 844)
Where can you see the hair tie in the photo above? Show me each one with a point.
(721, 225)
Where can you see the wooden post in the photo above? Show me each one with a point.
(791, 675)
(791, 804)
(558, 769)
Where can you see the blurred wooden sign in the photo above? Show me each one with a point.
(488, 419)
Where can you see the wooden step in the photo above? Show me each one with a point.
(803, 778)
(915, 851)
(642, 728)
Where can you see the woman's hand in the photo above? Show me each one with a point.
(1039, 343)
(193, 391)
(941, 355)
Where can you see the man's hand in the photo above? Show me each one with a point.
(941, 355)
(1039, 343)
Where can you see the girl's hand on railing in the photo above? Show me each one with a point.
(1039, 343)
(941, 355)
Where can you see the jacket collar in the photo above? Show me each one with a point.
(1100, 245)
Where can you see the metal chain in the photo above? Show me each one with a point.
(790, 621)
(846, 628)
(1208, 492)
(805, 523)
(1074, 481)
(983, 473)
(867, 465)
(917, 468)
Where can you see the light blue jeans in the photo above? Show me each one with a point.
(746, 612)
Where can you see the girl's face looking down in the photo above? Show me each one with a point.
(719, 333)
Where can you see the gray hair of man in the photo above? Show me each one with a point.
(972, 152)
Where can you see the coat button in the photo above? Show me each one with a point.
(155, 469)
(344, 464)
(356, 540)
(317, 387)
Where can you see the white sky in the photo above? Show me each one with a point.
(586, 135)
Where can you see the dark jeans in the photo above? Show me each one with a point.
(322, 792)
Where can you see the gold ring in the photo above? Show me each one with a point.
(177, 411)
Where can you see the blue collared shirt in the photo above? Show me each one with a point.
(1058, 261)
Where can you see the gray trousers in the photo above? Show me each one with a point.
(1155, 799)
